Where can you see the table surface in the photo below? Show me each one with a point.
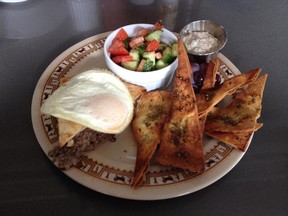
(34, 33)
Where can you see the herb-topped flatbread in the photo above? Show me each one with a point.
(208, 98)
(235, 123)
(181, 142)
(149, 119)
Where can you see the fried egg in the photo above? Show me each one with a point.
(96, 99)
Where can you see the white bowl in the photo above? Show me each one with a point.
(158, 79)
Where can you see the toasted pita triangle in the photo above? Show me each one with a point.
(208, 98)
(136, 91)
(181, 142)
(242, 113)
(149, 119)
(210, 77)
(67, 130)
(209, 82)
(202, 120)
(237, 140)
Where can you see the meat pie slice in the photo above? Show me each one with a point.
(67, 130)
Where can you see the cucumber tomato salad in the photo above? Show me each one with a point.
(143, 51)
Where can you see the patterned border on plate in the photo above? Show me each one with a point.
(170, 176)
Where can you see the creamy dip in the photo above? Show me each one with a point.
(200, 42)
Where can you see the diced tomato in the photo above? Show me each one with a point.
(137, 41)
(141, 65)
(152, 46)
(121, 35)
(122, 58)
(117, 43)
(158, 25)
(115, 51)
(158, 55)
(116, 46)
(143, 32)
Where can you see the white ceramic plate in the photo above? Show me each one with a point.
(109, 169)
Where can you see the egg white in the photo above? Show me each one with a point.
(96, 99)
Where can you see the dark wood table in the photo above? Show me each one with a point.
(34, 33)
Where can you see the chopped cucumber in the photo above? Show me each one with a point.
(160, 64)
(167, 55)
(126, 42)
(130, 65)
(141, 48)
(174, 49)
(162, 46)
(148, 66)
(154, 35)
(149, 56)
(135, 54)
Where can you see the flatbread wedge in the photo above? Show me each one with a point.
(242, 113)
(236, 123)
(208, 98)
(237, 140)
(181, 142)
(149, 118)
(136, 91)
(209, 82)
(210, 77)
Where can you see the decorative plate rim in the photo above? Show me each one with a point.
(116, 189)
